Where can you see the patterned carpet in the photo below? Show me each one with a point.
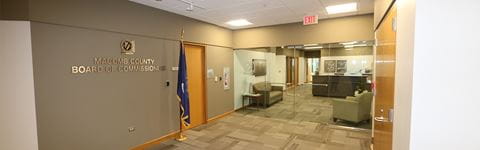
(307, 126)
(248, 132)
(303, 107)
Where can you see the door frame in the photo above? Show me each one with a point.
(205, 107)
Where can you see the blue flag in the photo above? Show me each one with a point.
(182, 88)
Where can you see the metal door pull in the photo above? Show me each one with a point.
(381, 119)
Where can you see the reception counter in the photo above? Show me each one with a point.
(338, 86)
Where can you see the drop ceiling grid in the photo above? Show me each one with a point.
(259, 12)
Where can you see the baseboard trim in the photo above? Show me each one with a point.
(159, 140)
(220, 116)
(243, 107)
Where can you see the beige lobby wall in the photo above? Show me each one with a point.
(356, 51)
(290, 52)
(380, 9)
(326, 31)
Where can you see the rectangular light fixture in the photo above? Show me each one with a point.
(349, 43)
(352, 46)
(359, 45)
(310, 45)
(239, 22)
(342, 8)
(315, 47)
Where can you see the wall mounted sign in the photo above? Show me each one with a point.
(102, 64)
(128, 47)
(308, 20)
(120, 64)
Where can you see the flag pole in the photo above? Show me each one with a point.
(181, 137)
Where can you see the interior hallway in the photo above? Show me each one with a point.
(309, 126)
(246, 132)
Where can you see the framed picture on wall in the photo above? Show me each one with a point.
(259, 67)
(330, 66)
(341, 66)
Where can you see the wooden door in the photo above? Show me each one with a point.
(195, 56)
(385, 82)
(292, 71)
(296, 70)
(308, 74)
(289, 71)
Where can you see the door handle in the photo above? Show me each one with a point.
(381, 119)
(385, 119)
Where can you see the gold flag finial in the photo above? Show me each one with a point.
(181, 35)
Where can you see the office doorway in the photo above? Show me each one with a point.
(292, 71)
(195, 57)
(312, 65)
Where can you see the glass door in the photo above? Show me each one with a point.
(307, 83)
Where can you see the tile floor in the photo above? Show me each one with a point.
(308, 127)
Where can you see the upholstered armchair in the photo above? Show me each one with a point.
(354, 109)
(270, 94)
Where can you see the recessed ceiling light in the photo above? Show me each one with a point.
(239, 22)
(342, 8)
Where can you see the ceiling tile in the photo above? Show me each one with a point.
(259, 12)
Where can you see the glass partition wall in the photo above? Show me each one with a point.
(320, 83)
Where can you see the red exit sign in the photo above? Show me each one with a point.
(307, 20)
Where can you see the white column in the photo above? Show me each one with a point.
(18, 129)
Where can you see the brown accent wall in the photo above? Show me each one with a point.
(14, 9)
(219, 100)
(127, 17)
(94, 111)
(326, 31)
(261, 49)
(312, 54)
